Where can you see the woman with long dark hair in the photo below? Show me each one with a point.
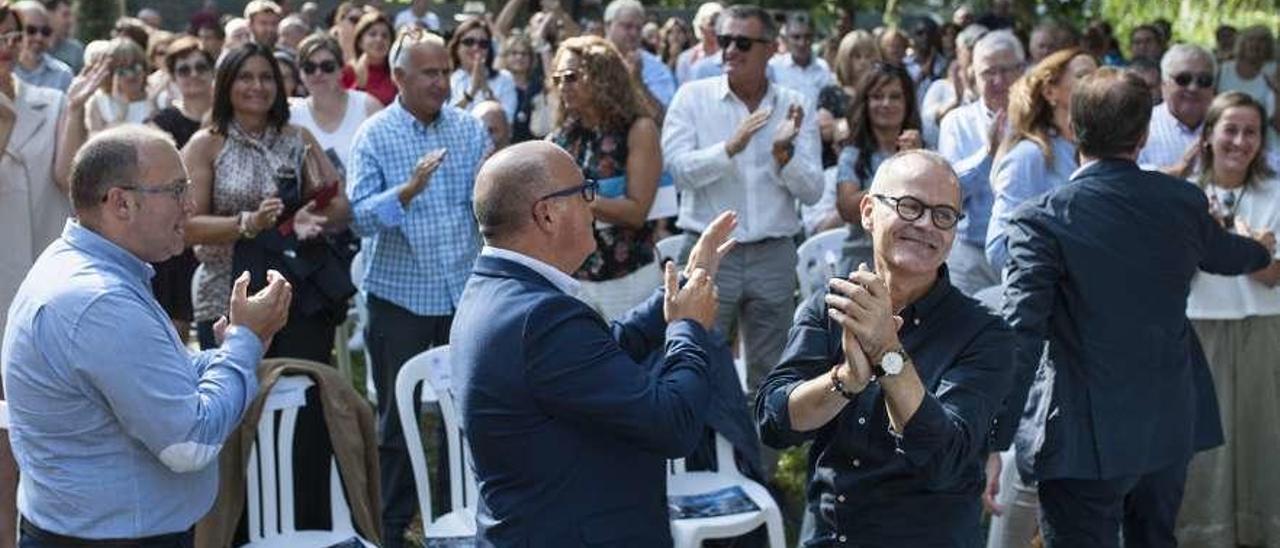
(240, 168)
(475, 79)
(882, 121)
(606, 125)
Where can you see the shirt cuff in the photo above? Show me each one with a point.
(925, 432)
(386, 207)
(778, 406)
(242, 350)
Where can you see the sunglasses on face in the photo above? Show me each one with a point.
(328, 66)
(743, 43)
(475, 42)
(353, 19)
(194, 69)
(33, 30)
(128, 71)
(1202, 80)
(910, 208)
(564, 77)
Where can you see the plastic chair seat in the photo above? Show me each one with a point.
(300, 539)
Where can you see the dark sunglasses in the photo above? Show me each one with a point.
(328, 66)
(198, 68)
(33, 30)
(743, 43)
(910, 208)
(475, 42)
(1184, 79)
(588, 188)
(565, 77)
(353, 19)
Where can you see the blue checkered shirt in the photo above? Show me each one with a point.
(417, 257)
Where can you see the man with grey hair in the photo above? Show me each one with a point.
(413, 165)
(799, 69)
(34, 65)
(291, 31)
(117, 431)
(624, 21)
(739, 142)
(895, 376)
(1188, 84)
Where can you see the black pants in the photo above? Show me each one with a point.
(392, 336)
(1095, 512)
(35, 537)
(305, 337)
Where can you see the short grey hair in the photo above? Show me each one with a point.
(410, 37)
(894, 165)
(1180, 53)
(258, 6)
(749, 11)
(617, 7)
(29, 6)
(111, 158)
(705, 13)
(999, 40)
(293, 20)
(970, 35)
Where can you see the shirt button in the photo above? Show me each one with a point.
(862, 420)
(917, 321)
(840, 498)
(844, 538)
(857, 463)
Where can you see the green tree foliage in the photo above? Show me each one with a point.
(96, 18)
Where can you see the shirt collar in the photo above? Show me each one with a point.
(562, 281)
(412, 121)
(724, 93)
(92, 243)
(925, 306)
(1185, 129)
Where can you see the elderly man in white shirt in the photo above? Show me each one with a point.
(799, 69)
(623, 21)
(1188, 74)
(736, 142)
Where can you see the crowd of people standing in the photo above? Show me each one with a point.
(947, 151)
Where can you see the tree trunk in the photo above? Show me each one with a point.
(96, 18)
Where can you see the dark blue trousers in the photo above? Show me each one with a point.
(1095, 513)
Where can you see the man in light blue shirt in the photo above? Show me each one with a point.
(413, 166)
(115, 425)
(35, 66)
(623, 21)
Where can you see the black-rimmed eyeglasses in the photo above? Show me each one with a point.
(910, 208)
(588, 188)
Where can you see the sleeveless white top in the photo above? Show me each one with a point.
(338, 143)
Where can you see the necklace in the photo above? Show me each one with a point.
(1226, 201)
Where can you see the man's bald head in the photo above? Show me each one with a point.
(511, 181)
(909, 170)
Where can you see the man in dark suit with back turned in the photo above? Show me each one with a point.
(1101, 269)
(568, 432)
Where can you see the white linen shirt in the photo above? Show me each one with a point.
(964, 131)
(703, 115)
(501, 85)
(1215, 297)
(1167, 139)
(807, 80)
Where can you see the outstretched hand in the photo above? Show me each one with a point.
(716, 242)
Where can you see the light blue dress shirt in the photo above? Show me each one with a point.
(418, 256)
(657, 77)
(115, 425)
(51, 73)
(1022, 174)
(974, 174)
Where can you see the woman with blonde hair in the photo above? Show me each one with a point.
(857, 52)
(123, 98)
(605, 123)
(1036, 155)
(1232, 498)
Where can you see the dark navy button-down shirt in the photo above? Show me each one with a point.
(871, 487)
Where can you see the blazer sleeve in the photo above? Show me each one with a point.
(1226, 253)
(578, 372)
(642, 329)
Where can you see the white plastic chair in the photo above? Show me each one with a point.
(270, 477)
(690, 532)
(430, 368)
(819, 258)
(669, 248)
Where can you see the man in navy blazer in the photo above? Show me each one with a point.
(1101, 269)
(568, 432)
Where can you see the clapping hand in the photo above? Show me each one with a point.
(266, 311)
(307, 223)
(716, 242)
(790, 128)
(697, 300)
(1265, 237)
(861, 304)
(910, 139)
(87, 82)
(748, 128)
(422, 174)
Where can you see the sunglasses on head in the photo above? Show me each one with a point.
(475, 42)
(743, 43)
(197, 68)
(1184, 79)
(33, 30)
(328, 66)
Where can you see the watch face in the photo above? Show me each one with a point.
(892, 363)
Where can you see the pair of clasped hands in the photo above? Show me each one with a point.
(860, 304)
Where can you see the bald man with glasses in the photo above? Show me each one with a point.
(895, 376)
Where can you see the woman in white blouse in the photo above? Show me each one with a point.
(331, 113)
(124, 100)
(1232, 492)
(474, 78)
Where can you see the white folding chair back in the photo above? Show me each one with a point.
(819, 258)
(270, 477)
(690, 532)
(360, 309)
(669, 248)
(429, 368)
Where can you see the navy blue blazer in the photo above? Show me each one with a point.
(568, 431)
(1101, 269)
